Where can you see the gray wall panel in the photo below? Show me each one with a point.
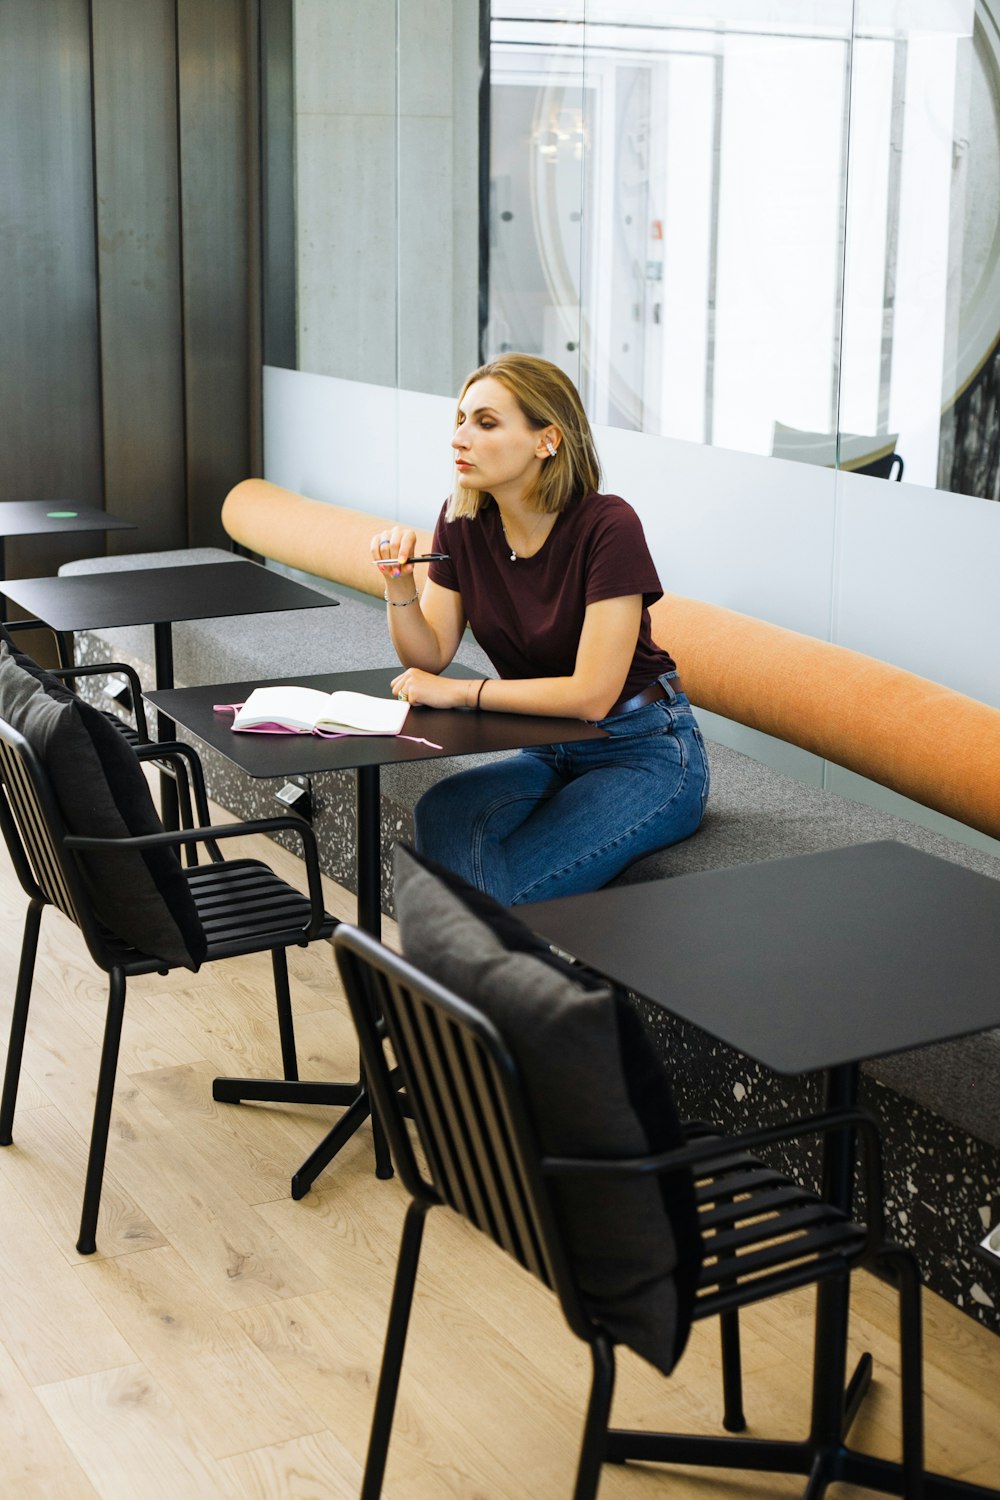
(49, 370)
(278, 187)
(130, 362)
(138, 235)
(211, 37)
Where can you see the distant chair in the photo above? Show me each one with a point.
(875, 455)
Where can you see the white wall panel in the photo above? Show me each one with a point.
(333, 439)
(752, 533)
(918, 581)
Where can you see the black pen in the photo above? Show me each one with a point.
(394, 562)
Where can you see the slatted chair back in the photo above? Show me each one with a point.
(48, 866)
(34, 830)
(481, 1153)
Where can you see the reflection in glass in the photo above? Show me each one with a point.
(706, 162)
(769, 225)
(772, 227)
(922, 224)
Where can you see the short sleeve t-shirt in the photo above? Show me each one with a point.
(528, 614)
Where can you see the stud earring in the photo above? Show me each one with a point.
(551, 447)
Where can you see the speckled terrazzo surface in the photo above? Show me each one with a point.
(942, 1185)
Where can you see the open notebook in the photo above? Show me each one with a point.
(300, 710)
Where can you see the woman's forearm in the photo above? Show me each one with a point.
(551, 697)
(415, 642)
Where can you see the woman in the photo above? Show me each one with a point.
(555, 580)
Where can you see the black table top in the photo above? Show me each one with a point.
(153, 596)
(802, 963)
(452, 731)
(35, 517)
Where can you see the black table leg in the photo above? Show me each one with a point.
(166, 729)
(354, 1095)
(369, 851)
(833, 1398)
(369, 862)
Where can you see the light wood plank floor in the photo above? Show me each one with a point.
(224, 1340)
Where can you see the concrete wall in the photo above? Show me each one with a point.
(387, 189)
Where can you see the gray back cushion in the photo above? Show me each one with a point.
(595, 1088)
(142, 898)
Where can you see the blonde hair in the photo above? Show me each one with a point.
(548, 398)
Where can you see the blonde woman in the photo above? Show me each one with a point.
(555, 581)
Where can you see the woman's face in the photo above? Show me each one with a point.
(495, 447)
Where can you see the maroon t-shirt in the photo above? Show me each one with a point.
(527, 615)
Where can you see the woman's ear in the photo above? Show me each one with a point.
(549, 441)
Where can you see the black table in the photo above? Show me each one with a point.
(158, 597)
(451, 732)
(48, 518)
(813, 963)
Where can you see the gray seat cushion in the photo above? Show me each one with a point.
(756, 813)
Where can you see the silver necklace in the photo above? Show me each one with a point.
(513, 553)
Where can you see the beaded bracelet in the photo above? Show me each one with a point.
(403, 603)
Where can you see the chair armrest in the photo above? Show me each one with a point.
(103, 669)
(179, 750)
(175, 838)
(32, 624)
(704, 1149)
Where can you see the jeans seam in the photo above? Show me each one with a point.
(478, 828)
(592, 854)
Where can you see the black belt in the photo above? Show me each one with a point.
(651, 694)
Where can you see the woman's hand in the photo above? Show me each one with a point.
(399, 542)
(430, 691)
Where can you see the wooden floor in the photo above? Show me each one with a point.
(224, 1340)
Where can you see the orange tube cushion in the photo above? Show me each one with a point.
(878, 720)
(327, 540)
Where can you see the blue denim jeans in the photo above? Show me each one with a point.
(559, 819)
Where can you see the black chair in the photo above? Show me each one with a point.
(195, 914)
(763, 1233)
(886, 466)
(874, 455)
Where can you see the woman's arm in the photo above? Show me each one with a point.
(607, 645)
(424, 630)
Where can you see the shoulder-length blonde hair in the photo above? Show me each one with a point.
(548, 398)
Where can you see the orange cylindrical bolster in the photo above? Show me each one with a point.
(924, 740)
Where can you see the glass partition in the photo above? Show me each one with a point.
(767, 225)
(704, 160)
